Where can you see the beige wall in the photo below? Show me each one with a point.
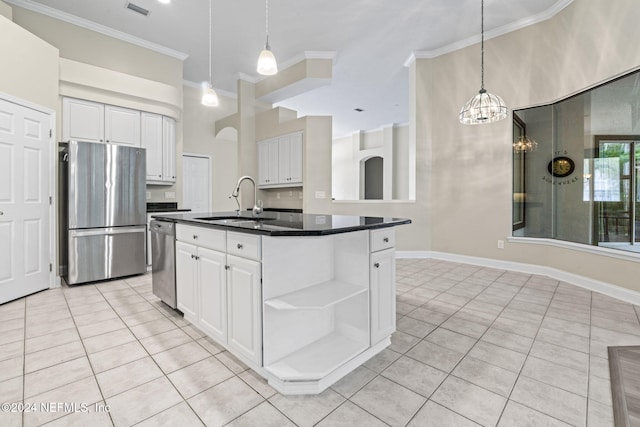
(103, 69)
(415, 236)
(463, 175)
(6, 11)
(347, 153)
(470, 206)
(317, 159)
(30, 65)
(83, 45)
(199, 138)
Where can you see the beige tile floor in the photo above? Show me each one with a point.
(475, 346)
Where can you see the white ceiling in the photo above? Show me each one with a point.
(371, 39)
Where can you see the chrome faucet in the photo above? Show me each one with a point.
(236, 192)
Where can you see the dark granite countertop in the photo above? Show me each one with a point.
(276, 223)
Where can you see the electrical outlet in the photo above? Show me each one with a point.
(148, 195)
(290, 193)
(320, 195)
(277, 195)
(500, 244)
(300, 195)
(169, 194)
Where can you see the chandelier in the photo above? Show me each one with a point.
(524, 144)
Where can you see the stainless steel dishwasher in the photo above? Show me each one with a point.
(163, 254)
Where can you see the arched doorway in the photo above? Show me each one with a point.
(373, 178)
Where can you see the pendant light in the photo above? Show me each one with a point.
(524, 144)
(485, 107)
(209, 96)
(267, 65)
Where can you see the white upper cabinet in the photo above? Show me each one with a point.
(122, 125)
(94, 122)
(168, 150)
(268, 162)
(290, 158)
(82, 120)
(152, 142)
(159, 139)
(280, 161)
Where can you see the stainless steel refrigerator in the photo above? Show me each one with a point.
(102, 211)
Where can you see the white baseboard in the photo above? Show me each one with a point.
(609, 289)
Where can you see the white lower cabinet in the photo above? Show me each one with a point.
(302, 311)
(383, 294)
(213, 293)
(382, 264)
(187, 280)
(201, 288)
(220, 293)
(245, 308)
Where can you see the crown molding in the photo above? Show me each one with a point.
(98, 28)
(513, 26)
(247, 78)
(308, 54)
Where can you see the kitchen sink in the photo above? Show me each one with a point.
(239, 220)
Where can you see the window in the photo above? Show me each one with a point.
(582, 182)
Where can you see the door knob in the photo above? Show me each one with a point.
(376, 265)
(239, 245)
(386, 240)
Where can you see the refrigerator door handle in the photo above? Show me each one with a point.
(107, 231)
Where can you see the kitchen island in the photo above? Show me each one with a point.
(301, 299)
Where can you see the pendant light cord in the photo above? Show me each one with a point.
(210, 41)
(482, 45)
(266, 21)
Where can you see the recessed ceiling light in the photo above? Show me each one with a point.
(165, 1)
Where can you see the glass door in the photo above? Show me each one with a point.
(616, 193)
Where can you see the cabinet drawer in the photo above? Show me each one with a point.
(382, 239)
(201, 236)
(244, 245)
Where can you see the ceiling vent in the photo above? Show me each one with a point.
(134, 7)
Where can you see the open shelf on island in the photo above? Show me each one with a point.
(318, 359)
(316, 297)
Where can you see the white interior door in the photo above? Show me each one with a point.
(24, 200)
(196, 183)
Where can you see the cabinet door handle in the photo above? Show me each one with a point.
(239, 245)
(226, 267)
(386, 240)
(192, 256)
(159, 176)
(1, 213)
(195, 237)
(376, 265)
(196, 257)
